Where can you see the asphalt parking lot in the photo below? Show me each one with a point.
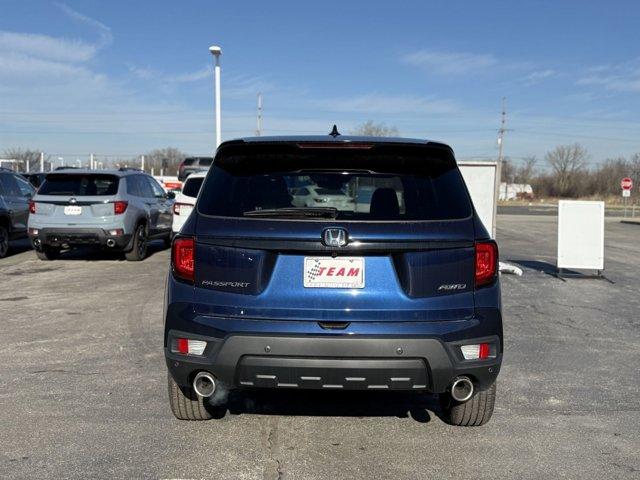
(83, 383)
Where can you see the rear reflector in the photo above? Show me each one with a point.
(119, 207)
(183, 258)
(486, 263)
(478, 351)
(188, 346)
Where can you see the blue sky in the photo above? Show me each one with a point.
(123, 77)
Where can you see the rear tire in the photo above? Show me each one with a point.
(167, 240)
(48, 253)
(4, 241)
(185, 404)
(474, 412)
(139, 250)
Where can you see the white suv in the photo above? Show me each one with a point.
(186, 200)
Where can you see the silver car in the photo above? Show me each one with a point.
(15, 193)
(112, 209)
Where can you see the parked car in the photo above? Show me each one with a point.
(313, 195)
(15, 193)
(193, 164)
(186, 199)
(35, 178)
(113, 209)
(264, 294)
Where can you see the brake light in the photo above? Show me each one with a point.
(183, 258)
(32, 206)
(486, 263)
(119, 207)
(178, 206)
(336, 145)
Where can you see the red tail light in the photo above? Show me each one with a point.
(32, 206)
(177, 206)
(119, 207)
(183, 258)
(486, 263)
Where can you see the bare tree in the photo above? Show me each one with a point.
(605, 179)
(371, 129)
(507, 171)
(168, 159)
(566, 162)
(24, 156)
(526, 172)
(634, 168)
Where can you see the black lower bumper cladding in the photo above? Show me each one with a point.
(78, 237)
(331, 362)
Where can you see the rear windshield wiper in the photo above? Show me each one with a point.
(294, 212)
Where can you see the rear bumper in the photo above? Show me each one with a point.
(360, 362)
(57, 237)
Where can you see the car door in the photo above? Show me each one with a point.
(163, 204)
(17, 193)
(146, 195)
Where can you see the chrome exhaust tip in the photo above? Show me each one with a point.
(461, 389)
(111, 243)
(204, 384)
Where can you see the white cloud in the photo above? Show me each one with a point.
(245, 86)
(105, 32)
(624, 77)
(389, 104)
(450, 63)
(29, 54)
(46, 47)
(20, 66)
(147, 73)
(539, 76)
(188, 77)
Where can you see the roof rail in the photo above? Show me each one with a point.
(129, 169)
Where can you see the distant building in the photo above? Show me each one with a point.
(515, 191)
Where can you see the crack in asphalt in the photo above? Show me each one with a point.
(13, 299)
(60, 370)
(272, 447)
(587, 307)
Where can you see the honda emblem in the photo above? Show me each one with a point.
(334, 237)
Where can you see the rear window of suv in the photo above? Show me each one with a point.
(80, 184)
(205, 161)
(192, 186)
(383, 182)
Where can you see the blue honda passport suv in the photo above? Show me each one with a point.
(387, 281)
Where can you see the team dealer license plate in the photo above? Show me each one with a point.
(72, 210)
(329, 272)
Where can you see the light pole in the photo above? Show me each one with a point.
(216, 52)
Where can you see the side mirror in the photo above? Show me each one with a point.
(170, 195)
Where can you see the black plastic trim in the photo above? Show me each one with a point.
(355, 246)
